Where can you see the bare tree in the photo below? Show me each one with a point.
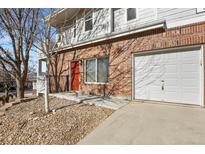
(19, 27)
(45, 43)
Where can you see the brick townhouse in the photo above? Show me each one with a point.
(130, 53)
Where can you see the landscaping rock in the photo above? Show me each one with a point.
(53, 111)
(31, 113)
(36, 118)
(2, 114)
(68, 125)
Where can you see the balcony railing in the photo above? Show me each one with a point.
(69, 36)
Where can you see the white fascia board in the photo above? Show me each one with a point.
(161, 24)
(50, 16)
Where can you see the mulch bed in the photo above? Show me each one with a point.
(27, 123)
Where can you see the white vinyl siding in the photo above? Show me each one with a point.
(89, 26)
(97, 24)
(143, 15)
(172, 16)
(180, 16)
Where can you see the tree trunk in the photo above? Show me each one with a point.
(56, 84)
(20, 88)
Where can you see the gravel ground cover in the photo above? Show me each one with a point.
(27, 123)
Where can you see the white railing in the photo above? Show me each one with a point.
(74, 34)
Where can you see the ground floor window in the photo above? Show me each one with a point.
(96, 70)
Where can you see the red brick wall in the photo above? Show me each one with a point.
(120, 52)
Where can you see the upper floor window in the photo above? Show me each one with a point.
(74, 28)
(131, 14)
(89, 21)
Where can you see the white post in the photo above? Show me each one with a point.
(46, 95)
(111, 20)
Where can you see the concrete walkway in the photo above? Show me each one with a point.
(112, 103)
(149, 123)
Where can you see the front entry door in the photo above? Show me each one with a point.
(75, 75)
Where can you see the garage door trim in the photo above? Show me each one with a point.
(178, 49)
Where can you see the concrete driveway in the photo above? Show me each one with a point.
(151, 123)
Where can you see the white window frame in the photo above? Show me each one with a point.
(96, 69)
(40, 66)
(200, 10)
(137, 15)
(86, 20)
(75, 28)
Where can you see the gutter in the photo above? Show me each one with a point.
(50, 16)
(113, 35)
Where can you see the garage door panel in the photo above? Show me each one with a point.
(155, 95)
(155, 89)
(171, 82)
(171, 88)
(190, 98)
(171, 77)
(190, 90)
(190, 67)
(188, 58)
(171, 68)
(171, 97)
(190, 83)
(193, 75)
(140, 93)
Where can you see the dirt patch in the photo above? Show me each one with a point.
(27, 123)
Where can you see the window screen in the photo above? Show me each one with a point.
(99, 74)
(91, 70)
(102, 74)
(89, 22)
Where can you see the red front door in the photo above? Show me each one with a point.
(75, 75)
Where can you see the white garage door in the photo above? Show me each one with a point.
(171, 77)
